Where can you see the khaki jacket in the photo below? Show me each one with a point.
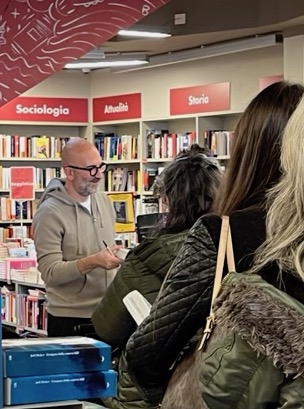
(255, 358)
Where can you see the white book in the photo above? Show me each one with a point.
(137, 305)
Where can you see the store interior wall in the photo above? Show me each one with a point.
(242, 70)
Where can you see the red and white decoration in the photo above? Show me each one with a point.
(38, 37)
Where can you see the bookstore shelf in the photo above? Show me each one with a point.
(22, 309)
(155, 142)
(122, 161)
(146, 146)
(17, 221)
(32, 160)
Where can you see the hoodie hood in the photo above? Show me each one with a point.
(271, 321)
(56, 189)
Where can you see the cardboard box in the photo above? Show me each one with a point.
(51, 388)
(42, 356)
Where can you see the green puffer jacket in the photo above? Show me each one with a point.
(144, 270)
(255, 356)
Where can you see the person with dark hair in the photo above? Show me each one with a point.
(189, 184)
(260, 315)
(184, 303)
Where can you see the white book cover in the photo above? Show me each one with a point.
(137, 305)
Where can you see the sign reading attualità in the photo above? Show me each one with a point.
(117, 107)
(39, 109)
(199, 99)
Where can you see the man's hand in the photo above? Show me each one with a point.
(105, 258)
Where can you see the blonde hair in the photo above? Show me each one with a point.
(284, 244)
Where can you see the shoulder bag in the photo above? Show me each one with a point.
(183, 388)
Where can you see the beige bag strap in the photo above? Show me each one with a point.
(225, 249)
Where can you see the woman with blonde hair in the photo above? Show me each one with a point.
(260, 315)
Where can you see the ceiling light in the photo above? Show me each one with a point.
(147, 34)
(104, 64)
(214, 50)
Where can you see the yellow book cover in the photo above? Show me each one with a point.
(124, 210)
(42, 147)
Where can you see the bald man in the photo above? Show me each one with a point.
(71, 225)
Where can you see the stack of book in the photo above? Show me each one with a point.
(38, 370)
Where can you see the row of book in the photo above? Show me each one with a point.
(26, 311)
(56, 369)
(43, 176)
(11, 231)
(14, 210)
(36, 146)
(114, 147)
(218, 143)
(160, 144)
(122, 179)
(11, 267)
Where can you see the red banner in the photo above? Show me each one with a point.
(117, 107)
(201, 98)
(264, 82)
(22, 183)
(45, 110)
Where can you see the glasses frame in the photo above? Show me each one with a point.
(92, 169)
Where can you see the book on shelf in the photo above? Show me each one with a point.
(218, 143)
(114, 147)
(121, 179)
(160, 144)
(8, 303)
(41, 147)
(155, 147)
(35, 312)
(150, 205)
(31, 146)
(149, 178)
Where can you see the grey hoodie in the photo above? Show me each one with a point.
(65, 231)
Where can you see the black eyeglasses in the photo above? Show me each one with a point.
(92, 169)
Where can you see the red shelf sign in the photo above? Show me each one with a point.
(201, 98)
(117, 107)
(45, 110)
(264, 82)
(22, 183)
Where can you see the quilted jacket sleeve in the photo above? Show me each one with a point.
(175, 317)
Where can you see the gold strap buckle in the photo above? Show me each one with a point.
(207, 331)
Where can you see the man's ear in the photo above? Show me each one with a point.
(69, 173)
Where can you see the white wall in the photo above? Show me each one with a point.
(66, 83)
(243, 70)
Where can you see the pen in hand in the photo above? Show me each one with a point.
(108, 248)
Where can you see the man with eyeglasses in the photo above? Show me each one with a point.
(71, 226)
